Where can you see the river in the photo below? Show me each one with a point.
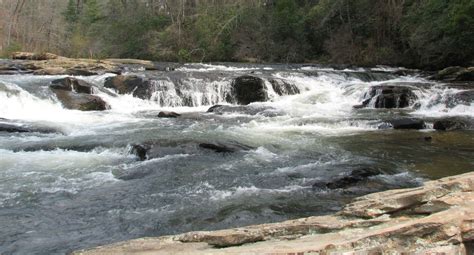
(80, 186)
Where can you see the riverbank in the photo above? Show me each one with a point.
(437, 217)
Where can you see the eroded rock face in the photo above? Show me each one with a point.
(249, 89)
(437, 218)
(389, 96)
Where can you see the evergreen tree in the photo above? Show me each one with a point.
(70, 14)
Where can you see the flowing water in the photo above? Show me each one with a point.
(80, 186)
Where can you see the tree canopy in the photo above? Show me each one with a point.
(413, 33)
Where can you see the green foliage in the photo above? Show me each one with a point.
(414, 33)
(91, 12)
(71, 14)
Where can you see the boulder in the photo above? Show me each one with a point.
(82, 102)
(453, 123)
(130, 84)
(408, 123)
(389, 96)
(248, 89)
(168, 115)
(72, 84)
(75, 95)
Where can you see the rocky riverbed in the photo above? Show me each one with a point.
(436, 218)
(102, 151)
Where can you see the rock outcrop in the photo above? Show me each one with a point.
(437, 218)
(75, 94)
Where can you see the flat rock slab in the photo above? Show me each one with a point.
(435, 218)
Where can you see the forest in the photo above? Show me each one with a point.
(426, 34)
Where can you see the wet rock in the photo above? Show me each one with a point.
(453, 123)
(72, 84)
(463, 97)
(389, 96)
(140, 151)
(225, 148)
(74, 94)
(130, 84)
(168, 115)
(82, 102)
(248, 89)
(12, 128)
(353, 178)
(455, 73)
(215, 108)
(282, 87)
(408, 123)
(25, 128)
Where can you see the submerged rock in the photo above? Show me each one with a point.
(168, 115)
(13, 128)
(74, 94)
(130, 84)
(25, 128)
(353, 178)
(248, 89)
(267, 111)
(389, 96)
(225, 148)
(453, 123)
